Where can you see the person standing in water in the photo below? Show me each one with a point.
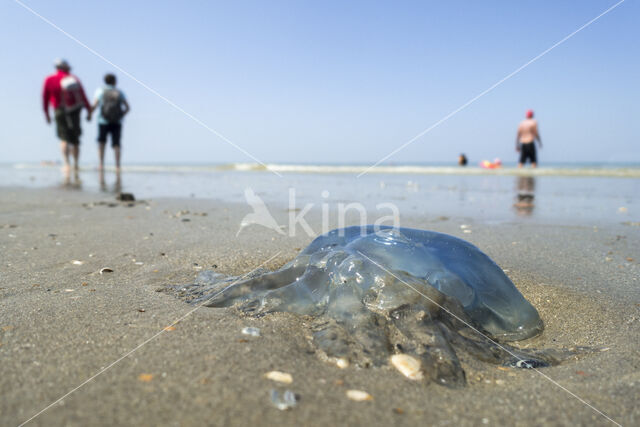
(525, 141)
(113, 106)
(63, 91)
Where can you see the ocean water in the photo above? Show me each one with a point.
(585, 194)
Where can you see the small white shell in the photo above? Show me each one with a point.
(525, 364)
(342, 363)
(251, 331)
(408, 366)
(106, 270)
(359, 395)
(77, 262)
(281, 377)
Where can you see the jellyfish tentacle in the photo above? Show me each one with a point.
(425, 340)
(371, 334)
(307, 295)
(332, 339)
(364, 343)
(486, 348)
(367, 342)
(238, 291)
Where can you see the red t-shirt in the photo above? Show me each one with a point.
(52, 92)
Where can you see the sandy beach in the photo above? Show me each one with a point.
(62, 322)
(158, 158)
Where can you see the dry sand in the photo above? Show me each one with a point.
(61, 323)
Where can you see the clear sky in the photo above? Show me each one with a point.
(332, 81)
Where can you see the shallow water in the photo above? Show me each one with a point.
(567, 196)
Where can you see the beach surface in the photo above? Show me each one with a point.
(82, 348)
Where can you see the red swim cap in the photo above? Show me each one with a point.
(529, 114)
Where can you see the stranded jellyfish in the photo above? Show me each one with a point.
(379, 294)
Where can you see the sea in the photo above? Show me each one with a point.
(567, 194)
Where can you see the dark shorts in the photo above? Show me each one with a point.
(68, 125)
(528, 151)
(115, 129)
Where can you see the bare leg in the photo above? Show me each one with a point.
(64, 148)
(118, 184)
(103, 184)
(520, 165)
(534, 165)
(116, 152)
(101, 147)
(75, 151)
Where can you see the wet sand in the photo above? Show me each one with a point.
(61, 323)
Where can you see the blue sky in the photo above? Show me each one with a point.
(337, 82)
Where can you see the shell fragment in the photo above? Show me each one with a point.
(359, 395)
(408, 366)
(281, 377)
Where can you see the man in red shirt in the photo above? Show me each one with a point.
(63, 91)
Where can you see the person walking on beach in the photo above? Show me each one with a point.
(113, 107)
(63, 91)
(525, 141)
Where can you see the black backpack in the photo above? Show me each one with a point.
(111, 105)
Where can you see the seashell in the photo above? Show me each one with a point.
(342, 363)
(287, 400)
(106, 270)
(359, 395)
(281, 377)
(529, 364)
(76, 262)
(248, 330)
(408, 366)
